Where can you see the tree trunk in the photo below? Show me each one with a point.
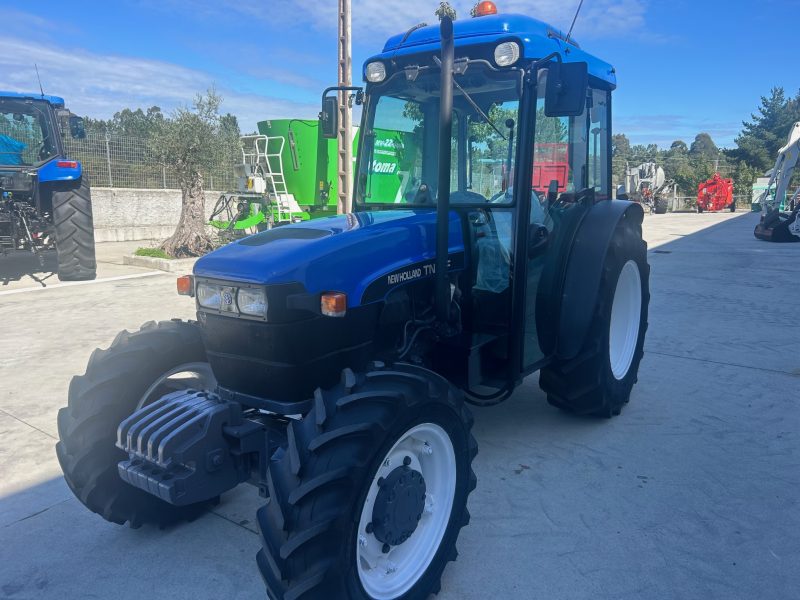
(190, 237)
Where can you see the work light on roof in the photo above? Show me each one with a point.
(483, 9)
(376, 72)
(506, 54)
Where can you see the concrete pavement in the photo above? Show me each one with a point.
(691, 493)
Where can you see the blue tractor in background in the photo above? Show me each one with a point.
(45, 202)
(332, 360)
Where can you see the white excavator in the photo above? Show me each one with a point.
(776, 225)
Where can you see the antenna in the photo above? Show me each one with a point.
(575, 18)
(35, 66)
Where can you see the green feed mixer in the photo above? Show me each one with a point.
(262, 199)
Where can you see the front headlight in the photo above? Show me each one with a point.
(252, 301)
(376, 72)
(209, 295)
(506, 54)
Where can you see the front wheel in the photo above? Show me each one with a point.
(600, 379)
(368, 500)
(138, 369)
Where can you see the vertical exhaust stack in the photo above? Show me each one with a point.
(443, 204)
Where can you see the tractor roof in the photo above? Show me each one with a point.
(538, 39)
(56, 101)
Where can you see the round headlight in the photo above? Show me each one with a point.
(506, 54)
(376, 72)
(252, 301)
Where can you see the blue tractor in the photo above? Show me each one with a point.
(45, 203)
(332, 361)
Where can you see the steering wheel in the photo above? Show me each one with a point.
(503, 197)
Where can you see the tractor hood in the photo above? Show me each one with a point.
(348, 253)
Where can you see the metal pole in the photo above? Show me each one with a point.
(345, 142)
(443, 298)
(108, 160)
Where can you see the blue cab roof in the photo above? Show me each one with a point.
(538, 39)
(56, 101)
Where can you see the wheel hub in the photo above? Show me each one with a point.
(398, 506)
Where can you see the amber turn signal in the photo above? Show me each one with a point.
(185, 285)
(333, 304)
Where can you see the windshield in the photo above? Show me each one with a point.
(399, 160)
(26, 137)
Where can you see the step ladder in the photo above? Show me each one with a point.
(265, 155)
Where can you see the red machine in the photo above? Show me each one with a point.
(715, 194)
(550, 162)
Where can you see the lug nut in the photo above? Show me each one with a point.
(362, 541)
(427, 449)
(385, 549)
(387, 463)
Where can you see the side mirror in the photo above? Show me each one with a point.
(565, 94)
(76, 128)
(329, 117)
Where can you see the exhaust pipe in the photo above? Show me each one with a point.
(443, 205)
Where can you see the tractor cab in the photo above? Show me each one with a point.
(528, 150)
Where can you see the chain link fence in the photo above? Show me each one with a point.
(123, 161)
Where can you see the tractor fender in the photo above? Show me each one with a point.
(584, 271)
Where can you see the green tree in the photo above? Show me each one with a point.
(445, 10)
(678, 147)
(190, 142)
(704, 146)
(762, 137)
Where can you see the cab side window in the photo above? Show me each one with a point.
(599, 155)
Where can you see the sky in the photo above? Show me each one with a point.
(683, 66)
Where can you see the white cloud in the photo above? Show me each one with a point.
(98, 85)
(379, 18)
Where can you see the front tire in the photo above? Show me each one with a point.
(661, 206)
(137, 369)
(369, 444)
(73, 227)
(600, 379)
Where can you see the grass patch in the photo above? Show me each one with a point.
(152, 252)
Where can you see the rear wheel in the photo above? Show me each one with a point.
(370, 496)
(661, 206)
(600, 379)
(74, 233)
(138, 368)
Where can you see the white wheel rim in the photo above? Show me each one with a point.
(388, 576)
(626, 313)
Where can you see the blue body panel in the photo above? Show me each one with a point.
(538, 39)
(55, 101)
(360, 248)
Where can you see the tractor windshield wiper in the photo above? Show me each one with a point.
(472, 102)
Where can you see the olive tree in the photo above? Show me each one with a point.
(193, 140)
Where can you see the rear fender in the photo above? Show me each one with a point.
(584, 271)
(52, 172)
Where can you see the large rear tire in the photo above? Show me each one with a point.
(392, 435)
(137, 369)
(600, 379)
(74, 233)
(661, 206)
